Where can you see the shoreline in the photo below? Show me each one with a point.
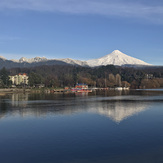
(48, 90)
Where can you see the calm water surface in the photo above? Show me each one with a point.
(102, 127)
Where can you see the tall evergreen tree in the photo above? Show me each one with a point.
(4, 77)
(34, 79)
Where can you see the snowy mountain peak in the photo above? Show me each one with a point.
(116, 58)
(114, 53)
(31, 60)
(23, 59)
(117, 52)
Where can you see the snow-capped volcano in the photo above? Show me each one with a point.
(116, 58)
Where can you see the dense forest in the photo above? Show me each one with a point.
(104, 76)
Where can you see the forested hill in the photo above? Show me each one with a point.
(104, 76)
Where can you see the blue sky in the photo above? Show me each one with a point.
(84, 29)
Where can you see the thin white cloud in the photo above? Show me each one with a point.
(123, 8)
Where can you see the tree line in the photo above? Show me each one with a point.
(103, 76)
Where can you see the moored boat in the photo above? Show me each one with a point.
(81, 88)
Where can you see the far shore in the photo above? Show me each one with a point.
(31, 90)
(4, 91)
(11, 90)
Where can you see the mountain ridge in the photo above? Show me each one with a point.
(116, 58)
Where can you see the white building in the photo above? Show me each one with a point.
(19, 79)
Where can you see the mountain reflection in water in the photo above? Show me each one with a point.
(116, 108)
(119, 111)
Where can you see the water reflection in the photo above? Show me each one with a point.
(116, 107)
(119, 111)
(19, 99)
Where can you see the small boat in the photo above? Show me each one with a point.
(81, 88)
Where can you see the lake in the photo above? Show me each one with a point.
(99, 127)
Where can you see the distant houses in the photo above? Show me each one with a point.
(149, 76)
(20, 79)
